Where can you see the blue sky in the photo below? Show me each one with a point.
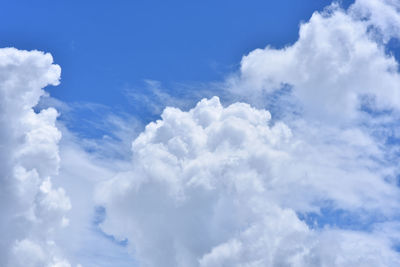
(106, 47)
(279, 146)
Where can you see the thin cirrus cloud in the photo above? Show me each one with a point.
(313, 184)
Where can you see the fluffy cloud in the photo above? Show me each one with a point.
(337, 64)
(381, 15)
(219, 186)
(31, 208)
(315, 185)
(231, 186)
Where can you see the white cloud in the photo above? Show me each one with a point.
(82, 242)
(215, 185)
(382, 15)
(31, 208)
(219, 186)
(226, 186)
(334, 64)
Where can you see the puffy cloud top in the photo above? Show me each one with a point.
(219, 186)
(31, 208)
(226, 185)
(229, 186)
(337, 63)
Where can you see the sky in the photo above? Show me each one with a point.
(106, 48)
(212, 133)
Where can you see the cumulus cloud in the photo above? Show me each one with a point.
(233, 186)
(219, 186)
(383, 16)
(313, 184)
(337, 62)
(31, 208)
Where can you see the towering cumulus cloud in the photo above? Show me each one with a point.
(31, 209)
(229, 186)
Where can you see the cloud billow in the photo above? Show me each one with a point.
(31, 208)
(219, 186)
(313, 184)
(228, 186)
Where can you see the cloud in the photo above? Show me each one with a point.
(313, 184)
(383, 16)
(149, 101)
(219, 186)
(316, 186)
(336, 63)
(31, 208)
(82, 166)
